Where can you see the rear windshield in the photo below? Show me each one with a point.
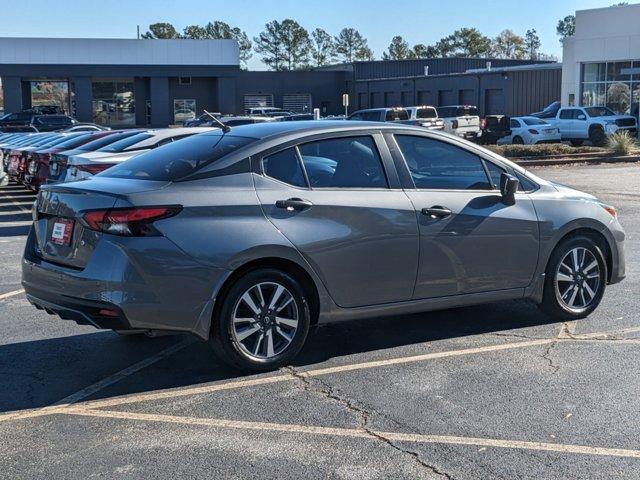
(426, 113)
(106, 140)
(533, 121)
(466, 111)
(73, 142)
(178, 159)
(125, 143)
(394, 115)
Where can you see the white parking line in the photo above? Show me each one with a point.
(16, 204)
(309, 373)
(11, 294)
(96, 387)
(359, 433)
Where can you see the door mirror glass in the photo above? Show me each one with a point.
(508, 188)
(582, 117)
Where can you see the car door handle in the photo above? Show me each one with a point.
(292, 204)
(436, 211)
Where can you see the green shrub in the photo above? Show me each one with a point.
(621, 143)
(547, 149)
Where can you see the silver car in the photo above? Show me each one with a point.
(247, 238)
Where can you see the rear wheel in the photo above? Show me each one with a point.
(597, 136)
(263, 322)
(576, 143)
(517, 140)
(575, 279)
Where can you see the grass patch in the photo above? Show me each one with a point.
(621, 143)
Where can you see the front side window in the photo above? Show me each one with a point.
(284, 166)
(350, 162)
(441, 166)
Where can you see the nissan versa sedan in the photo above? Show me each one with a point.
(247, 237)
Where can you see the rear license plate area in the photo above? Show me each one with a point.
(62, 231)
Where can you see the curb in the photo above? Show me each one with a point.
(533, 162)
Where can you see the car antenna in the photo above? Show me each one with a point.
(225, 128)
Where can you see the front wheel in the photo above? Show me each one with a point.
(263, 322)
(575, 279)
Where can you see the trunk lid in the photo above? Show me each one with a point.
(60, 235)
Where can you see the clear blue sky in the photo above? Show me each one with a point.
(418, 21)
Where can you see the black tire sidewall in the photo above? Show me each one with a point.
(222, 328)
(517, 140)
(597, 136)
(551, 304)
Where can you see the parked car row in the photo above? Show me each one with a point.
(34, 159)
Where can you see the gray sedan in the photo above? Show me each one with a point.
(248, 238)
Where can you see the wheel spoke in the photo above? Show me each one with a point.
(573, 296)
(243, 320)
(593, 275)
(269, 335)
(289, 322)
(584, 301)
(246, 298)
(281, 307)
(591, 266)
(567, 267)
(244, 334)
(284, 335)
(276, 296)
(258, 344)
(574, 256)
(589, 290)
(564, 278)
(259, 288)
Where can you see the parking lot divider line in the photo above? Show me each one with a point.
(16, 204)
(11, 294)
(311, 373)
(116, 377)
(357, 433)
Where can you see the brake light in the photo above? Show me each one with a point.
(94, 168)
(454, 124)
(483, 124)
(128, 222)
(533, 131)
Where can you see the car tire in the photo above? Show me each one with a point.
(597, 136)
(517, 140)
(565, 294)
(251, 334)
(576, 143)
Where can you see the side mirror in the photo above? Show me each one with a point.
(582, 117)
(508, 188)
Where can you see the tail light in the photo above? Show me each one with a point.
(33, 167)
(483, 124)
(454, 124)
(128, 222)
(533, 131)
(94, 168)
(22, 164)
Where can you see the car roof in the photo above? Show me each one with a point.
(281, 129)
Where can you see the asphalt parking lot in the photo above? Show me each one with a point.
(496, 391)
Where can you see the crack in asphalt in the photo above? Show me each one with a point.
(363, 416)
(547, 356)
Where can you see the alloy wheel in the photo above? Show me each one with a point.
(265, 320)
(578, 279)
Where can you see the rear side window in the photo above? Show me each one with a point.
(350, 162)
(441, 166)
(514, 123)
(373, 116)
(284, 166)
(534, 121)
(106, 140)
(178, 159)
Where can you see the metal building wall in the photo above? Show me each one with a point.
(532, 90)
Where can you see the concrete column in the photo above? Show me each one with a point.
(227, 96)
(141, 95)
(83, 98)
(12, 89)
(159, 96)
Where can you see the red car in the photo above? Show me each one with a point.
(36, 164)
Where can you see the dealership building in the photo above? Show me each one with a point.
(132, 82)
(601, 62)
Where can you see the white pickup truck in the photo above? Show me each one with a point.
(578, 124)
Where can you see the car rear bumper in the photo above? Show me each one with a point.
(148, 281)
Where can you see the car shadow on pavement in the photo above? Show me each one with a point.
(42, 372)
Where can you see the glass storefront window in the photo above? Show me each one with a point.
(614, 71)
(593, 94)
(50, 93)
(1, 98)
(594, 72)
(184, 110)
(114, 102)
(619, 97)
(635, 100)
